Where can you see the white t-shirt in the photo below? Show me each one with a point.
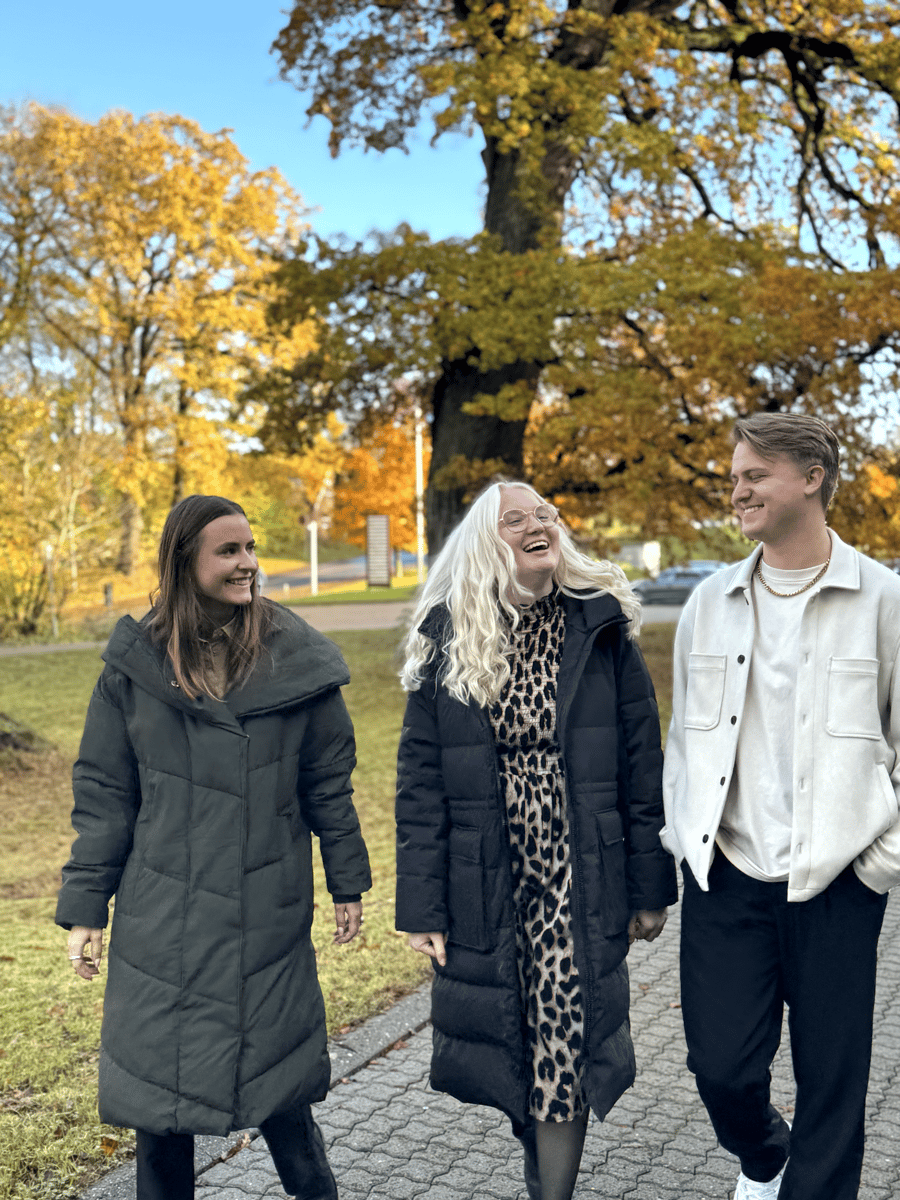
(755, 832)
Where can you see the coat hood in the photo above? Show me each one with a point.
(296, 665)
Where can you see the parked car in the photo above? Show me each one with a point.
(675, 584)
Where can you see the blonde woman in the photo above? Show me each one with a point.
(528, 810)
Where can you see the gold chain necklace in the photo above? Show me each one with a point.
(799, 591)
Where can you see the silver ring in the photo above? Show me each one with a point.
(75, 957)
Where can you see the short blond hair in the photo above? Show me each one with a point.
(806, 440)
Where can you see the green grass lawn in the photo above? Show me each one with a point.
(51, 1142)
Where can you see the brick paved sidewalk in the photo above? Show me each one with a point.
(389, 1136)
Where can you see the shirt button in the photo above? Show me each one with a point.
(722, 781)
(705, 838)
(740, 658)
(734, 720)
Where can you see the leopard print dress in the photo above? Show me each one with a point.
(524, 722)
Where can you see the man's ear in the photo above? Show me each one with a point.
(815, 477)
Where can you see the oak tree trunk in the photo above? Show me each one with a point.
(181, 447)
(519, 228)
(130, 536)
(131, 515)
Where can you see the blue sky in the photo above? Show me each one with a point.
(211, 62)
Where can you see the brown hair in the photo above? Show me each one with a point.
(806, 440)
(178, 620)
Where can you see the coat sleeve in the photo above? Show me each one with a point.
(107, 798)
(675, 769)
(650, 869)
(327, 758)
(422, 819)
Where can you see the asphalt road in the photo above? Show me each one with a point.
(331, 572)
(332, 618)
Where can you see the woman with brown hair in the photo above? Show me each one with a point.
(216, 742)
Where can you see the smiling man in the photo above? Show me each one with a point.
(781, 792)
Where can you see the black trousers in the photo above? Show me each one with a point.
(165, 1162)
(745, 952)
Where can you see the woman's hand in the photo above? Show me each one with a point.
(348, 919)
(86, 965)
(646, 925)
(432, 944)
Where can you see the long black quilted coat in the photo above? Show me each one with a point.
(454, 873)
(197, 816)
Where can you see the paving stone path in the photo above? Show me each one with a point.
(390, 1136)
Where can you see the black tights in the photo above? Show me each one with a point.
(165, 1162)
(553, 1152)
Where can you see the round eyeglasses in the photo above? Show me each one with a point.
(517, 518)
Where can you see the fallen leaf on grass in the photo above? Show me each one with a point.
(17, 1099)
(109, 1145)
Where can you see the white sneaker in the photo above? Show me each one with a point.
(750, 1189)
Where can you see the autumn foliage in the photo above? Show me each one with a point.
(379, 476)
(136, 276)
(690, 212)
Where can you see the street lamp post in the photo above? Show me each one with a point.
(420, 499)
(312, 529)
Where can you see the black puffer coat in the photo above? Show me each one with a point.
(197, 815)
(454, 872)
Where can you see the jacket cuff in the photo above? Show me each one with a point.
(658, 886)
(81, 910)
(347, 899)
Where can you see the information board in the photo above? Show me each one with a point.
(378, 551)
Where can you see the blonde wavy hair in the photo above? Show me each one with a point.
(473, 576)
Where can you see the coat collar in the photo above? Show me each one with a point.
(297, 664)
(589, 614)
(843, 570)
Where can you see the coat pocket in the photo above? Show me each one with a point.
(465, 889)
(615, 912)
(705, 691)
(851, 703)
